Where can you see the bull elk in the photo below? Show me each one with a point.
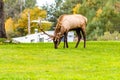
(67, 23)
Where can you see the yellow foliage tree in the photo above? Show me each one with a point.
(35, 13)
(76, 9)
(9, 26)
(98, 12)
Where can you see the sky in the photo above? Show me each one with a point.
(41, 2)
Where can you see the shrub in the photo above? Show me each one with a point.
(2, 40)
(110, 36)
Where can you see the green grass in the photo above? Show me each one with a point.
(99, 61)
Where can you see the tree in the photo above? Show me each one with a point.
(2, 25)
(102, 16)
(19, 27)
(76, 9)
(13, 8)
(21, 24)
(68, 6)
(53, 10)
(30, 3)
(9, 27)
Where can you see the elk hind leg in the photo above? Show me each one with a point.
(79, 37)
(84, 37)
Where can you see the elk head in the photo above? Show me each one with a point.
(56, 38)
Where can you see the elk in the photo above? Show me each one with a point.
(67, 23)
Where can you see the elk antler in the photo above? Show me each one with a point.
(51, 36)
(39, 24)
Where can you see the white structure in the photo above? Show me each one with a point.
(40, 37)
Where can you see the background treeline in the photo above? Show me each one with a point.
(103, 16)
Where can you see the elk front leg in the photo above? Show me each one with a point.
(65, 41)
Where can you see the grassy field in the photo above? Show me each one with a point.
(99, 61)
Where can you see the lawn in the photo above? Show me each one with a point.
(40, 61)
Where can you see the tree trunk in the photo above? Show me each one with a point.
(29, 28)
(2, 24)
